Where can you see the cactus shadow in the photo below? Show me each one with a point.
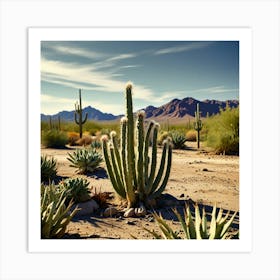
(99, 173)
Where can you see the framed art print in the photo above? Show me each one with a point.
(139, 134)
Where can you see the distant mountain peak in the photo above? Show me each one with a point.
(175, 109)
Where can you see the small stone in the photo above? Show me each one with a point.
(204, 169)
(131, 223)
(140, 212)
(151, 219)
(129, 213)
(86, 208)
(110, 211)
(181, 195)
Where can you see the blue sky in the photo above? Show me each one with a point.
(159, 70)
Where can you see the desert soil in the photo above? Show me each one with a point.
(197, 176)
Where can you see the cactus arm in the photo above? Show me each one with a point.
(160, 171)
(158, 192)
(76, 119)
(130, 135)
(109, 165)
(117, 155)
(146, 152)
(119, 186)
(140, 162)
(154, 157)
(130, 195)
(86, 116)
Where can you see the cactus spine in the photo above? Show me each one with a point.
(132, 173)
(79, 115)
(197, 125)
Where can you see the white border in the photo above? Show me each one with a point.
(243, 35)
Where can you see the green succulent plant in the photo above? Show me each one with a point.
(48, 168)
(85, 160)
(178, 139)
(96, 144)
(55, 216)
(130, 165)
(76, 189)
(197, 227)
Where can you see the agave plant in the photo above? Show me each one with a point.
(55, 216)
(197, 228)
(86, 160)
(48, 168)
(75, 189)
(178, 139)
(96, 144)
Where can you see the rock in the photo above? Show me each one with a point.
(204, 169)
(129, 213)
(110, 211)
(86, 208)
(132, 223)
(140, 212)
(181, 195)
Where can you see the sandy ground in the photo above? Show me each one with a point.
(197, 175)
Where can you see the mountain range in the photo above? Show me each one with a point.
(176, 109)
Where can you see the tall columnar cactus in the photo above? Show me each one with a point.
(197, 125)
(54, 124)
(131, 168)
(79, 115)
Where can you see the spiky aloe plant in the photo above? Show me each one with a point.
(197, 228)
(55, 216)
(48, 168)
(197, 125)
(79, 115)
(77, 189)
(85, 160)
(132, 170)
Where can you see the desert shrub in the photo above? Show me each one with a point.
(197, 227)
(191, 135)
(54, 139)
(76, 189)
(48, 168)
(223, 131)
(101, 198)
(178, 139)
(162, 135)
(85, 160)
(72, 138)
(85, 140)
(55, 216)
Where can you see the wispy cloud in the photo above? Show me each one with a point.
(75, 51)
(86, 77)
(184, 48)
(216, 89)
(122, 56)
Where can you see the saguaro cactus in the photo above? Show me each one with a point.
(79, 115)
(197, 125)
(131, 168)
